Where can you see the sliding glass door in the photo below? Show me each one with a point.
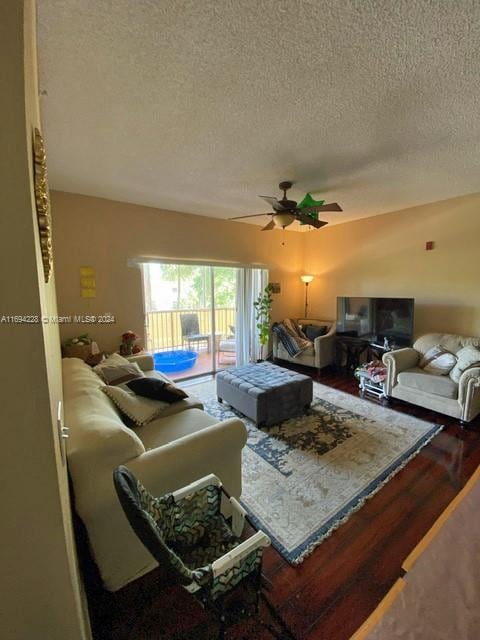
(225, 304)
(190, 317)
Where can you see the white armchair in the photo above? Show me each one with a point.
(407, 381)
(319, 355)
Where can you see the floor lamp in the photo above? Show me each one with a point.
(306, 279)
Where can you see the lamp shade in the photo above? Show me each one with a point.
(283, 219)
(306, 278)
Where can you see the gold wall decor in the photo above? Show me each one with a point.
(42, 202)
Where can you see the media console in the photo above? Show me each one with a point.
(349, 351)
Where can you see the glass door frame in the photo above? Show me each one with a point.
(213, 341)
(213, 336)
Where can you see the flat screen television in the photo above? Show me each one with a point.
(375, 319)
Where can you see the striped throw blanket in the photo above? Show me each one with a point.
(291, 337)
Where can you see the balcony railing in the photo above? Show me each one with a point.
(164, 329)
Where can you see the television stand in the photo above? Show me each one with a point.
(349, 351)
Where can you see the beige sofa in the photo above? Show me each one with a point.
(180, 446)
(407, 381)
(320, 354)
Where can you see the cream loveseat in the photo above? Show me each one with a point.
(407, 381)
(182, 445)
(320, 354)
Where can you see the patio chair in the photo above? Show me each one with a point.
(195, 542)
(227, 346)
(191, 331)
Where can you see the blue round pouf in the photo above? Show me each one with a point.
(170, 361)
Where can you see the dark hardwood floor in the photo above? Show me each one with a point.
(333, 591)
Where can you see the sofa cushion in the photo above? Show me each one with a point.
(121, 373)
(140, 410)
(417, 378)
(467, 357)
(114, 359)
(438, 361)
(156, 389)
(163, 430)
(308, 353)
(188, 403)
(313, 331)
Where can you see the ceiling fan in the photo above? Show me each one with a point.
(286, 211)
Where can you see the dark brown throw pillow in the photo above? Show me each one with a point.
(156, 389)
(313, 331)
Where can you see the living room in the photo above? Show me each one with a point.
(162, 124)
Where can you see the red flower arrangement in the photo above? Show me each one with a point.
(128, 346)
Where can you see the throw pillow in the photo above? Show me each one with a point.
(157, 389)
(122, 373)
(438, 361)
(140, 410)
(313, 331)
(112, 360)
(467, 357)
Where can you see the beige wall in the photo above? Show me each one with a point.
(40, 595)
(380, 256)
(106, 235)
(385, 256)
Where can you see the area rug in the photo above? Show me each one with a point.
(304, 477)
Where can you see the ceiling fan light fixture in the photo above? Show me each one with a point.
(283, 219)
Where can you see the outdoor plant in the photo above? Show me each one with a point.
(263, 308)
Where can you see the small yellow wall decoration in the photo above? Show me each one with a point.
(87, 282)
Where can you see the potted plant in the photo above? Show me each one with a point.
(128, 346)
(263, 309)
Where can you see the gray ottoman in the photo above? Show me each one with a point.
(264, 392)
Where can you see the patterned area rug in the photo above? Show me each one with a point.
(304, 477)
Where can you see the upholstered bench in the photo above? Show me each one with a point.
(264, 392)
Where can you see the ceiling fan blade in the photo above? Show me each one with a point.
(269, 226)
(311, 221)
(253, 215)
(332, 206)
(274, 202)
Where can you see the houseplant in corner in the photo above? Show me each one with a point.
(263, 308)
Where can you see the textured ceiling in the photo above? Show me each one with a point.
(199, 106)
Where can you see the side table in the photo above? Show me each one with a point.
(371, 377)
(348, 352)
(377, 389)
